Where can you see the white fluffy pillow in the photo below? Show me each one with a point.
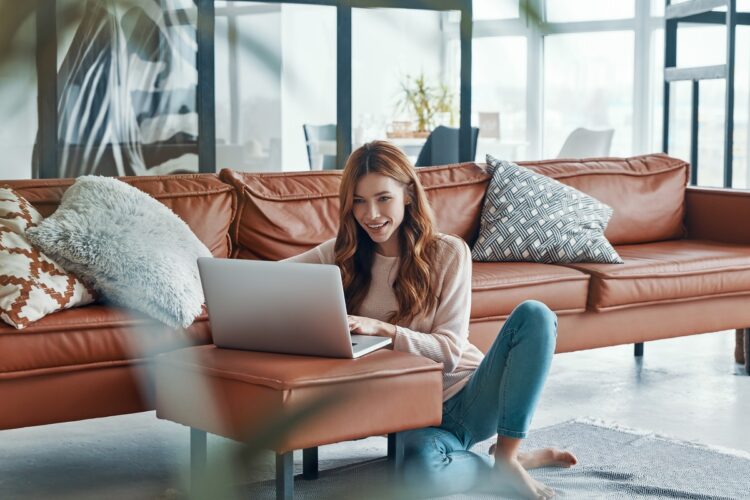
(128, 246)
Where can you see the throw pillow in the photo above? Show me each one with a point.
(31, 284)
(128, 246)
(530, 217)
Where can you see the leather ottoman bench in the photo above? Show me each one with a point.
(238, 394)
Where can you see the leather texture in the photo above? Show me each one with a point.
(591, 330)
(718, 214)
(89, 337)
(284, 214)
(498, 287)
(646, 193)
(96, 361)
(386, 391)
(74, 395)
(669, 271)
(204, 202)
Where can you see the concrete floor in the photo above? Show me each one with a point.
(689, 388)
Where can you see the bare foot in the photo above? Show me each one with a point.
(543, 457)
(512, 472)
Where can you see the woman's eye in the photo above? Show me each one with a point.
(385, 198)
(356, 202)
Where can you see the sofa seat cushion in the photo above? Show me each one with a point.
(237, 394)
(669, 271)
(498, 287)
(90, 337)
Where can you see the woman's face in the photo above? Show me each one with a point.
(379, 203)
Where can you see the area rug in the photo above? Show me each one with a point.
(614, 462)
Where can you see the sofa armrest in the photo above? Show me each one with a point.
(718, 214)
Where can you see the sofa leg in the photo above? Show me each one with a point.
(310, 463)
(396, 450)
(638, 351)
(198, 454)
(285, 476)
(739, 346)
(747, 350)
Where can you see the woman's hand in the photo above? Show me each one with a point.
(369, 326)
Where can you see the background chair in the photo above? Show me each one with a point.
(441, 147)
(585, 143)
(313, 135)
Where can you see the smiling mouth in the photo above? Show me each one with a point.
(376, 227)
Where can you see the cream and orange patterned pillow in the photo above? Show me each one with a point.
(31, 284)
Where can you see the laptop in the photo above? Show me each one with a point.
(284, 307)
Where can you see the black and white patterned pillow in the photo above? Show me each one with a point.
(532, 218)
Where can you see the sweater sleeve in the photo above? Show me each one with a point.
(321, 254)
(450, 330)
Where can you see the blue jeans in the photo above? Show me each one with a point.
(500, 399)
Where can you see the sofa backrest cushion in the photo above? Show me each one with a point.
(646, 192)
(203, 201)
(283, 214)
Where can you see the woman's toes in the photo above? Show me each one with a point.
(566, 458)
(556, 457)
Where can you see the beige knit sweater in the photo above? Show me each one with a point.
(440, 334)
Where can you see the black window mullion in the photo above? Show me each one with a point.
(206, 105)
(46, 67)
(343, 83)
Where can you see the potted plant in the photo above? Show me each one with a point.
(423, 101)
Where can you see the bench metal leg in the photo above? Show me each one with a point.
(739, 346)
(198, 454)
(310, 463)
(285, 476)
(396, 450)
(638, 349)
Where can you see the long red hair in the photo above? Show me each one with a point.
(414, 286)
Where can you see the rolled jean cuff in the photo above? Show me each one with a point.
(513, 434)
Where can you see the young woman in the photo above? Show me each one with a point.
(408, 282)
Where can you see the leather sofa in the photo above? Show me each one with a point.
(686, 271)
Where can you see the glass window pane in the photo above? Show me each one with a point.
(584, 86)
(701, 46)
(679, 119)
(710, 129)
(499, 97)
(129, 109)
(741, 161)
(18, 93)
(559, 11)
(656, 93)
(657, 7)
(402, 86)
(275, 74)
(495, 9)
(711, 113)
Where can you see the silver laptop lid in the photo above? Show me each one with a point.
(284, 307)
